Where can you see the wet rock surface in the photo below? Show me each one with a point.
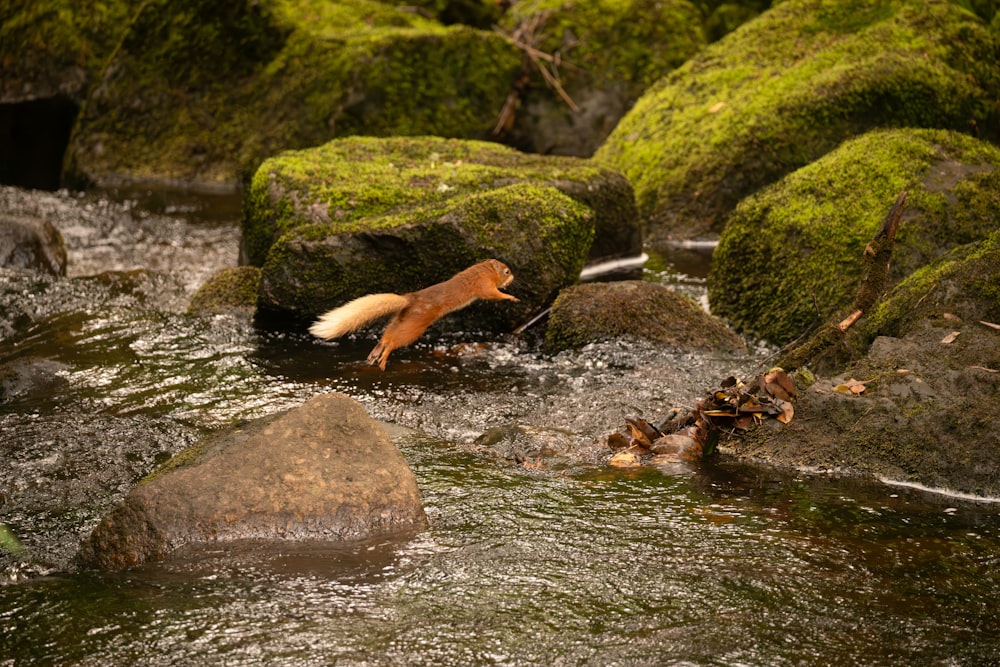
(631, 308)
(31, 244)
(324, 471)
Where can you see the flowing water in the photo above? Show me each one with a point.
(558, 560)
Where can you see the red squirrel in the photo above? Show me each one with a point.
(415, 311)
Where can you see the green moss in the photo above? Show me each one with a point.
(650, 37)
(788, 87)
(968, 274)
(215, 89)
(790, 256)
(43, 42)
(352, 184)
(307, 271)
(185, 457)
(229, 288)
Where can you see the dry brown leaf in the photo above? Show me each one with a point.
(673, 443)
(617, 441)
(625, 459)
(638, 435)
(951, 316)
(950, 338)
(779, 385)
(787, 410)
(851, 386)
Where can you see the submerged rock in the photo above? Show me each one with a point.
(323, 472)
(600, 311)
(229, 289)
(31, 244)
(788, 87)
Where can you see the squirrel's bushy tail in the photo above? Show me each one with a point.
(355, 314)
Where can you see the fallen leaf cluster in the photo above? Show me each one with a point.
(690, 436)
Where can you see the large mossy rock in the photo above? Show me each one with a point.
(929, 367)
(634, 309)
(51, 48)
(788, 87)
(791, 256)
(202, 92)
(609, 52)
(362, 215)
(325, 471)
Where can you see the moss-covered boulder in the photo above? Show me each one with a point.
(228, 290)
(790, 256)
(362, 215)
(789, 86)
(202, 92)
(928, 367)
(540, 233)
(632, 308)
(608, 53)
(52, 48)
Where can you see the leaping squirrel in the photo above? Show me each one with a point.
(415, 311)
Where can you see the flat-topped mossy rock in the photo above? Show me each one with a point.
(347, 182)
(361, 215)
(790, 256)
(610, 52)
(601, 311)
(202, 92)
(540, 233)
(788, 87)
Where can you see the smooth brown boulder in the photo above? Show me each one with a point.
(325, 471)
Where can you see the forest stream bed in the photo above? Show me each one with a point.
(574, 562)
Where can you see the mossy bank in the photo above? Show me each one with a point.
(791, 256)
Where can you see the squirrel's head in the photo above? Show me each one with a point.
(504, 275)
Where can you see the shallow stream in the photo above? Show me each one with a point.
(557, 559)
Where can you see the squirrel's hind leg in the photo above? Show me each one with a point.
(379, 355)
(402, 331)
